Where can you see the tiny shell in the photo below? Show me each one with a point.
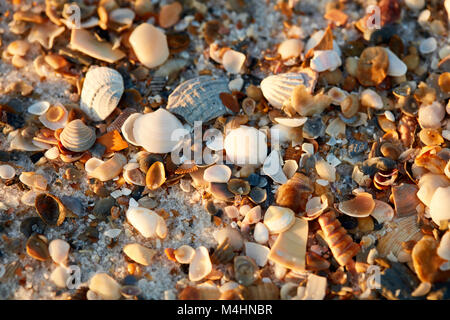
(134, 176)
(156, 176)
(200, 265)
(337, 95)
(105, 286)
(325, 170)
(315, 207)
(7, 172)
(397, 67)
(440, 204)
(371, 99)
(150, 45)
(233, 61)
(261, 233)
(184, 254)
(361, 206)
(217, 173)
(39, 108)
(444, 246)
(290, 48)
(139, 253)
(257, 252)
(324, 60)
(246, 145)
(58, 250)
(278, 219)
(55, 117)
(110, 168)
(77, 137)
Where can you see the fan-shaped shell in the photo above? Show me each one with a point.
(278, 88)
(198, 99)
(102, 90)
(77, 136)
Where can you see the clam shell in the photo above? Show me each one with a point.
(109, 169)
(58, 250)
(198, 99)
(217, 173)
(156, 176)
(50, 209)
(55, 117)
(39, 108)
(139, 253)
(150, 45)
(278, 219)
(158, 131)
(105, 286)
(7, 172)
(278, 88)
(361, 206)
(440, 204)
(77, 137)
(444, 246)
(127, 128)
(102, 89)
(200, 265)
(246, 145)
(184, 254)
(37, 247)
(146, 221)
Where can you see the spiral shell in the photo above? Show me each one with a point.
(77, 136)
(102, 90)
(340, 243)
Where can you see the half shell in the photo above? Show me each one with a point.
(361, 206)
(278, 219)
(102, 90)
(77, 137)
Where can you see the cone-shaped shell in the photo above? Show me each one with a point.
(77, 136)
(102, 90)
(154, 131)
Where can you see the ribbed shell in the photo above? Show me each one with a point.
(102, 90)
(77, 136)
(278, 88)
(198, 99)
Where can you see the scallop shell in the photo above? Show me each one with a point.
(278, 219)
(77, 137)
(198, 99)
(278, 88)
(102, 89)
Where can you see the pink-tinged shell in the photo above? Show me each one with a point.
(361, 206)
(382, 212)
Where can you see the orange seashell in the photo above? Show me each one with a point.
(156, 176)
(295, 192)
(113, 141)
(55, 113)
(361, 206)
(405, 199)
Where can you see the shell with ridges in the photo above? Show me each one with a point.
(77, 137)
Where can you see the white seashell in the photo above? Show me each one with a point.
(33, 180)
(440, 204)
(277, 89)
(158, 131)
(29, 197)
(315, 39)
(444, 246)
(325, 170)
(217, 173)
(233, 236)
(58, 250)
(39, 108)
(134, 175)
(127, 128)
(184, 254)
(252, 216)
(52, 153)
(145, 221)
(110, 168)
(92, 164)
(382, 212)
(290, 168)
(55, 124)
(371, 99)
(139, 253)
(430, 116)
(7, 172)
(415, 5)
(324, 60)
(77, 137)
(233, 61)
(257, 252)
(278, 219)
(397, 67)
(102, 90)
(428, 45)
(236, 84)
(105, 286)
(315, 207)
(261, 233)
(447, 169)
(150, 45)
(246, 145)
(60, 276)
(428, 185)
(290, 48)
(337, 95)
(123, 16)
(291, 122)
(200, 265)
(272, 167)
(232, 212)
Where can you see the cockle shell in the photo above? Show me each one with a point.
(158, 131)
(278, 88)
(58, 250)
(77, 137)
(200, 265)
(146, 221)
(102, 90)
(198, 99)
(246, 145)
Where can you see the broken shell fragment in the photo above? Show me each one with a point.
(324, 60)
(55, 117)
(139, 253)
(261, 233)
(257, 252)
(58, 250)
(278, 219)
(373, 65)
(272, 167)
(200, 265)
(217, 173)
(325, 170)
(428, 184)
(405, 199)
(361, 206)
(184, 254)
(397, 67)
(109, 169)
(156, 176)
(105, 286)
(145, 221)
(233, 61)
(150, 45)
(50, 209)
(371, 99)
(290, 48)
(33, 180)
(77, 137)
(246, 145)
(382, 212)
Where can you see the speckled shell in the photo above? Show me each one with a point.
(278, 88)
(198, 99)
(77, 136)
(102, 90)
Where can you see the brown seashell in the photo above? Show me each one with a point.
(263, 291)
(407, 127)
(223, 253)
(372, 66)
(238, 186)
(295, 192)
(430, 137)
(50, 209)
(359, 207)
(390, 150)
(156, 176)
(405, 230)
(405, 199)
(429, 159)
(350, 105)
(340, 243)
(426, 261)
(383, 181)
(245, 270)
(314, 262)
(444, 82)
(37, 247)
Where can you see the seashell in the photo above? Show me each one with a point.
(325, 170)
(231, 235)
(428, 185)
(429, 159)
(371, 99)
(440, 204)
(447, 169)
(350, 106)
(444, 246)
(341, 244)
(223, 253)
(428, 45)
(146, 221)
(313, 128)
(430, 116)
(77, 137)
(405, 199)
(245, 270)
(258, 195)
(198, 99)
(127, 128)
(257, 252)
(105, 286)
(245, 145)
(139, 253)
(52, 153)
(361, 206)
(156, 176)
(262, 291)
(60, 276)
(130, 291)
(382, 212)
(7, 172)
(184, 254)
(134, 176)
(291, 122)
(315, 207)
(252, 216)
(150, 45)
(59, 250)
(200, 265)
(337, 95)
(278, 88)
(170, 14)
(261, 233)
(295, 192)
(92, 164)
(50, 209)
(37, 247)
(425, 260)
(382, 181)
(102, 89)
(397, 67)
(289, 249)
(217, 173)
(285, 135)
(33, 180)
(238, 186)
(220, 191)
(109, 169)
(290, 48)
(415, 5)
(278, 219)
(272, 167)
(123, 16)
(158, 131)
(404, 229)
(315, 262)
(324, 60)
(373, 65)
(233, 61)
(39, 108)
(290, 168)
(55, 117)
